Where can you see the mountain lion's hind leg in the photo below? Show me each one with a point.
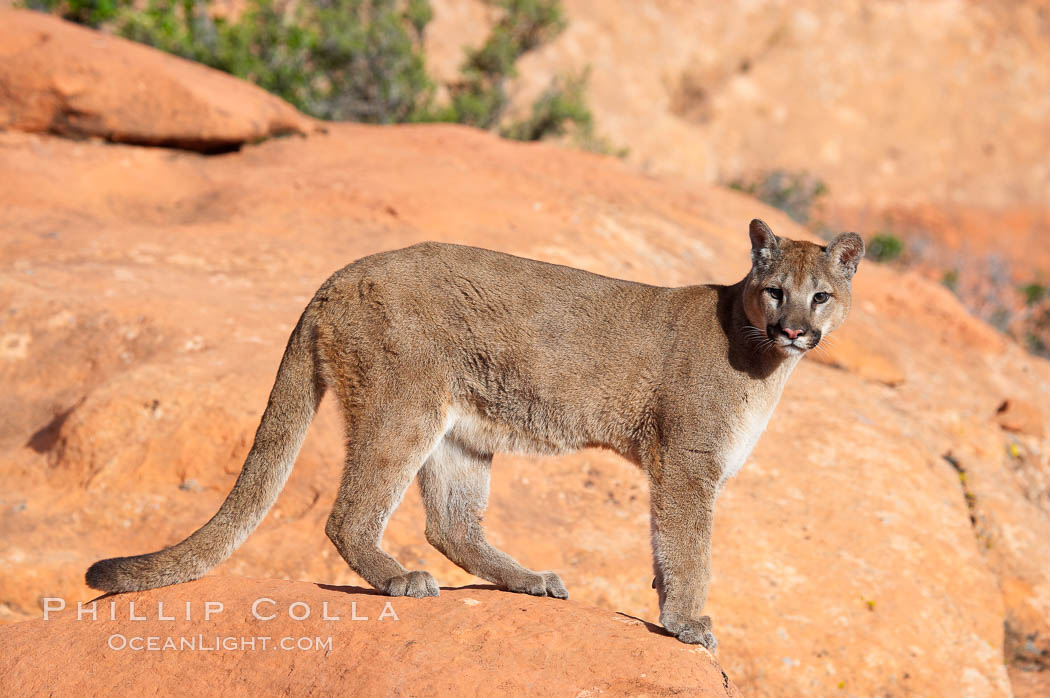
(380, 465)
(455, 486)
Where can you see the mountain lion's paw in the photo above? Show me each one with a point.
(555, 587)
(416, 584)
(539, 584)
(692, 631)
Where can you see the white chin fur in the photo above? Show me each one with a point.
(791, 349)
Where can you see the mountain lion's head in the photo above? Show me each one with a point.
(797, 291)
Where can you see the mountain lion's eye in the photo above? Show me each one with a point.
(776, 293)
(821, 297)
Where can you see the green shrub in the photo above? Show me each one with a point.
(358, 60)
(1036, 345)
(794, 193)
(1034, 292)
(348, 60)
(885, 247)
(951, 280)
(90, 12)
(561, 110)
(480, 97)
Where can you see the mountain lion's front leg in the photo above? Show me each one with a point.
(683, 487)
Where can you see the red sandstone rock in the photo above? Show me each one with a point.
(890, 103)
(57, 77)
(156, 341)
(293, 638)
(148, 295)
(1021, 417)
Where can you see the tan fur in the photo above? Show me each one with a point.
(442, 355)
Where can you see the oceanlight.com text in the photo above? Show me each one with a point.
(217, 643)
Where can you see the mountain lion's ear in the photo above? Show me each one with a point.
(764, 244)
(845, 252)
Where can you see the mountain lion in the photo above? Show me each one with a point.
(442, 355)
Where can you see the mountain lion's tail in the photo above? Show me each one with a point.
(293, 401)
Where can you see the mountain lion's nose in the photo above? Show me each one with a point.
(792, 334)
